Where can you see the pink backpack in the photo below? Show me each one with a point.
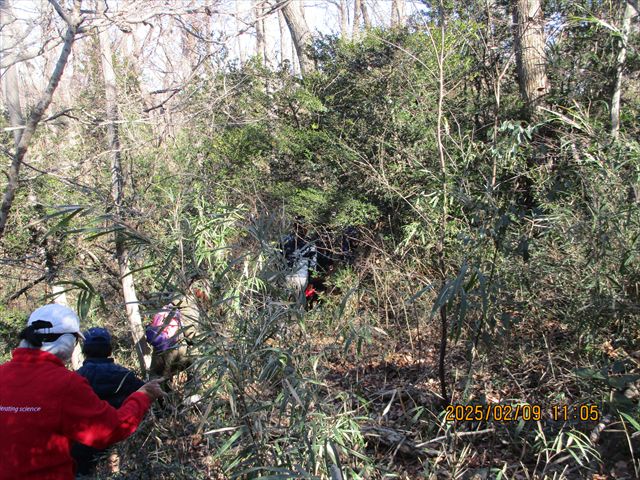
(164, 331)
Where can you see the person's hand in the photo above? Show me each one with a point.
(152, 388)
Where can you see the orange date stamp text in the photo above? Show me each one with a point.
(526, 412)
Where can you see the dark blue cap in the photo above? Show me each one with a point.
(97, 342)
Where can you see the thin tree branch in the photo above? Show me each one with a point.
(25, 289)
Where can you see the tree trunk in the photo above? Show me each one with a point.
(531, 60)
(283, 36)
(135, 52)
(397, 12)
(301, 35)
(36, 114)
(365, 14)
(241, 55)
(11, 85)
(295, 61)
(629, 13)
(344, 19)
(117, 194)
(261, 45)
(356, 18)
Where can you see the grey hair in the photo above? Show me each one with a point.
(62, 347)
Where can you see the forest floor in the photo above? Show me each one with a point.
(392, 389)
(535, 366)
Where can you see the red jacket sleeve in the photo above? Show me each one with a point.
(93, 422)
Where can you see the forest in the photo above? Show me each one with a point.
(403, 235)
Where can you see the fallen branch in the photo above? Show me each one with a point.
(457, 435)
(398, 441)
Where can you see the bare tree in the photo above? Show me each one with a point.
(365, 14)
(73, 20)
(531, 59)
(16, 120)
(237, 15)
(300, 33)
(356, 18)
(344, 18)
(10, 84)
(261, 44)
(283, 36)
(630, 11)
(397, 12)
(117, 194)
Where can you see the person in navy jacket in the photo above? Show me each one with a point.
(111, 382)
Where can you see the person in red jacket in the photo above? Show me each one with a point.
(44, 406)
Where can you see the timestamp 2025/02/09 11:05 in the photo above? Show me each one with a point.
(526, 412)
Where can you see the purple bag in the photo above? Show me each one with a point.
(164, 330)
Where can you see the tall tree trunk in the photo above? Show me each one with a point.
(365, 14)
(397, 12)
(11, 84)
(356, 18)
(135, 51)
(344, 19)
(283, 37)
(629, 12)
(241, 55)
(37, 113)
(117, 194)
(301, 35)
(261, 45)
(295, 61)
(531, 59)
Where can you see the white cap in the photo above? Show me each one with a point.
(62, 319)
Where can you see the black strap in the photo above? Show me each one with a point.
(31, 335)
